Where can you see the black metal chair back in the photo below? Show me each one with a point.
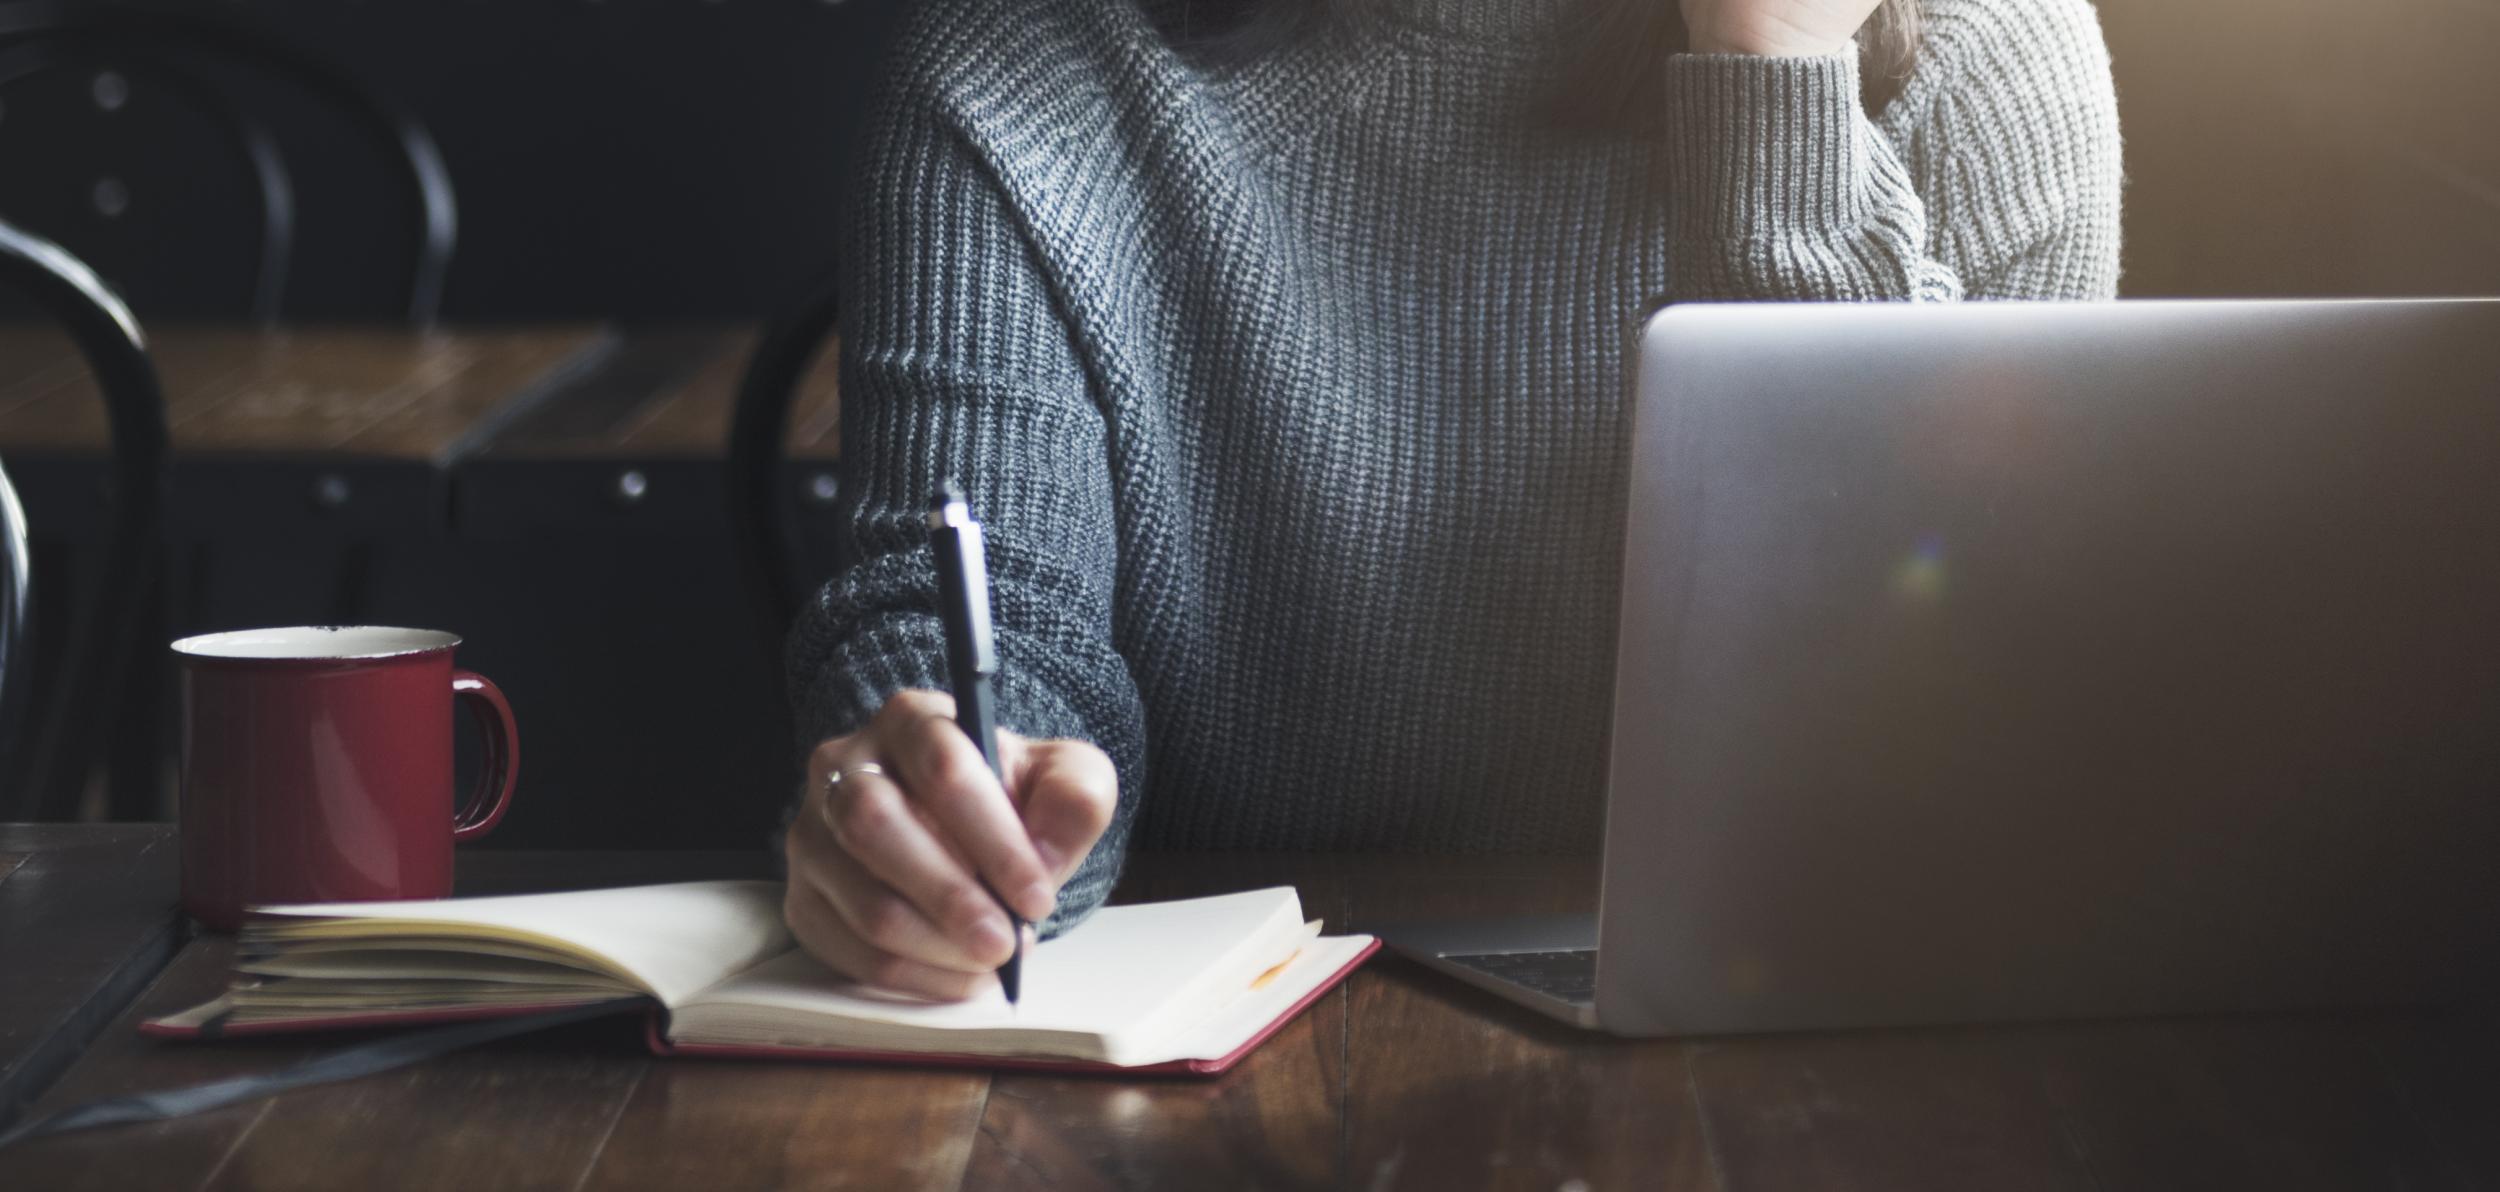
(272, 183)
(47, 763)
(37, 36)
(762, 514)
(14, 638)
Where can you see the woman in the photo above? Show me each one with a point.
(1281, 351)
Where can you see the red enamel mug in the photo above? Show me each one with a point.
(317, 766)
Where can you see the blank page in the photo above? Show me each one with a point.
(1113, 985)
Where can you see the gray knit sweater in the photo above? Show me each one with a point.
(1291, 394)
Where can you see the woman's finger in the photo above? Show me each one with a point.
(946, 775)
(872, 821)
(888, 922)
(822, 931)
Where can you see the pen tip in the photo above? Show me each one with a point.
(947, 493)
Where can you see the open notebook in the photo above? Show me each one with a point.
(1177, 986)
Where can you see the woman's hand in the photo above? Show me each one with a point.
(887, 869)
(1775, 28)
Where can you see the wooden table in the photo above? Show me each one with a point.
(1398, 1080)
(360, 426)
(315, 429)
(635, 445)
(86, 921)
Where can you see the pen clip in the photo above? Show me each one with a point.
(977, 598)
(964, 572)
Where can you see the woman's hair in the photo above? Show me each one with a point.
(1619, 47)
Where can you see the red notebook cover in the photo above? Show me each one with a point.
(655, 1035)
(920, 1059)
(157, 1028)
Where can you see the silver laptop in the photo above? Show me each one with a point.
(2043, 661)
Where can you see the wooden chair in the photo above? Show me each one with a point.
(41, 776)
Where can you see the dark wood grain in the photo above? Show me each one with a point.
(530, 1113)
(36, 363)
(635, 446)
(182, 1154)
(668, 394)
(1450, 1087)
(607, 412)
(725, 1124)
(86, 920)
(2279, 1102)
(693, 419)
(1272, 1122)
(1399, 1080)
(1883, 1110)
(368, 392)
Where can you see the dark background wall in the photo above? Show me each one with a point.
(640, 160)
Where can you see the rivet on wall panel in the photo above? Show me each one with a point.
(330, 491)
(110, 90)
(111, 197)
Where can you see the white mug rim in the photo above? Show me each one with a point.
(315, 643)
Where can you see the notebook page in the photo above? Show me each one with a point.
(1223, 1032)
(1126, 976)
(673, 939)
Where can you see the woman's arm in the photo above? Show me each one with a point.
(2000, 178)
(956, 364)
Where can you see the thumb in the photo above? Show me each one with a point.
(1069, 790)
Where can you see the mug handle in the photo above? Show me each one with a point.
(493, 795)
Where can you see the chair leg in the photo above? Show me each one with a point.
(137, 749)
(60, 569)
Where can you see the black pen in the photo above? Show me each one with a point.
(971, 658)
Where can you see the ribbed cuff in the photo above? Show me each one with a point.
(1766, 146)
(863, 680)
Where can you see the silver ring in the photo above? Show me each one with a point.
(836, 776)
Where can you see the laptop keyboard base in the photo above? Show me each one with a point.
(1569, 975)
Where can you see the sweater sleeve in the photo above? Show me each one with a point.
(956, 363)
(1998, 177)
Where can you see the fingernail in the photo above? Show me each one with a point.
(1037, 901)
